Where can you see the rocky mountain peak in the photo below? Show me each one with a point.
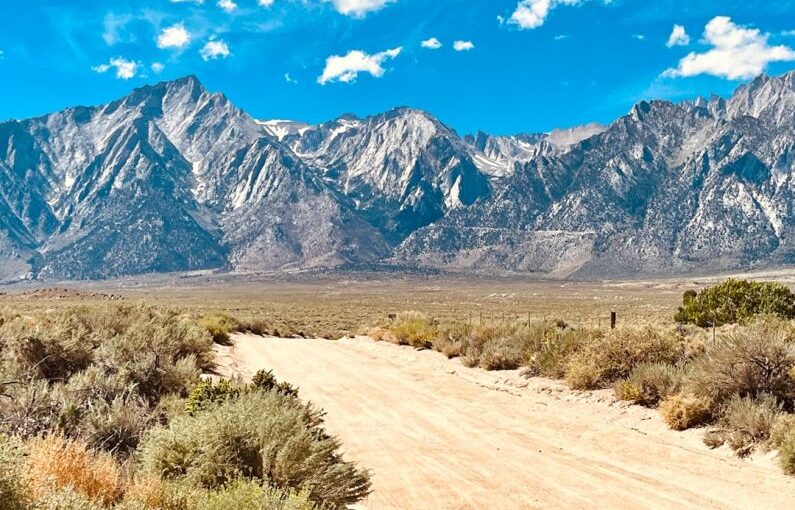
(197, 183)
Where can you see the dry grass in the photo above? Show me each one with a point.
(145, 491)
(607, 358)
(747, 362)
(682, 412)
(58, 464)
(337, 305)
(649, 383)
(414, 329)
(220, 325)
(746, 423)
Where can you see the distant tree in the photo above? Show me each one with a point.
(735, 301)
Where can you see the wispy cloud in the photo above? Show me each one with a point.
(358, 8)
(463, 46)
(346, 68)
(114, 29)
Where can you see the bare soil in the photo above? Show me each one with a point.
(437, 435)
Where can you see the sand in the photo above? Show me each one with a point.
(437, 435)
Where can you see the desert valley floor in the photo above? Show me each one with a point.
(438, 435)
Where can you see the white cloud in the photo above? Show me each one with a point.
(173, 37)
(463, 45)
(358, 8)
(157, 67)
(432, 43)
(639, 37)
(561, 37)
(265, 3)
(214, 49)
(289, 79)
(347, 68)
(197, 2)
(531, 14)
(737, 52)
(227, 5)
(125, 69)
(678, 37)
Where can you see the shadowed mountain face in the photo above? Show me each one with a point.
(175, 178)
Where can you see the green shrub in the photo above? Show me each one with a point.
(682, 412)
(12, 489)
(783, 427)
(241, 494)
(786, 455)
(450, 339)
(262, 435)
(414, 329)
(115, 426)
(734, 301)
(512, 346)
(206, 394)
(36, 354)
(557, 348)
(748, 363)
(266, 381)
(250, 495)
(746, 423)
(111, 366)
(783, 438)
(605, 359)
(220, 325)
(64, 499)
(649, 383)
(29, 409)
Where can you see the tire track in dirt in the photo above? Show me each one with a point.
(439, 436)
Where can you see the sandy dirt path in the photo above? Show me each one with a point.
(438, 435)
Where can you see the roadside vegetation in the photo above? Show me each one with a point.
(103, 407)
(727, 364)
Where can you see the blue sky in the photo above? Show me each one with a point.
(518, 66)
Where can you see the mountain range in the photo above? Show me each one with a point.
(175, 178)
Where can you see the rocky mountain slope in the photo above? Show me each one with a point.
(175, 178)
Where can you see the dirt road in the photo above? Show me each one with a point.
(438, 435)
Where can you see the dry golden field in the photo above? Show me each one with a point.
(332, 306)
